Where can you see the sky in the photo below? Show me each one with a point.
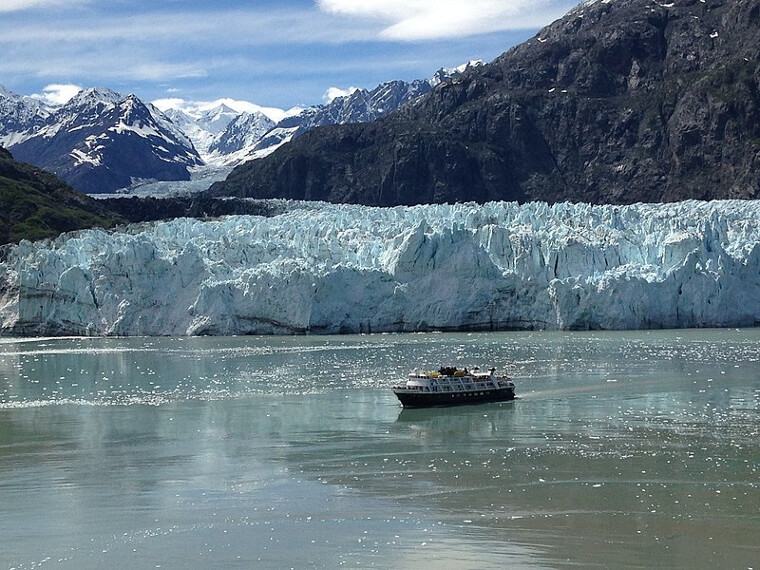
(281, 54)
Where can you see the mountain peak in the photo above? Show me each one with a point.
(446, 73)
(8, 93)
(95, 95)
(102, 141)
(626, 101)
(222, 108)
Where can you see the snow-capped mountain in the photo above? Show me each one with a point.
(227, 137)
(446, 73)
(361, 106)
(202, 126)
(240, 136)
(101, 141)
(221, 129)
(322, 268)
(19, 117)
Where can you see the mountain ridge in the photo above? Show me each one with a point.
(618, 102)
(254, 133)
(101, 141)
(78, 141)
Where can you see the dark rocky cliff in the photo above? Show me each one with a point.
(618, 102)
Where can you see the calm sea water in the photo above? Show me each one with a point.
(624, 450)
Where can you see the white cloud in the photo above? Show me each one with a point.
(157, 71)
(103, 46)
(57, 93)
(239, 27)
(409, 20)
(196, 107)
(335, 92)
(18, 5)
(170, 103)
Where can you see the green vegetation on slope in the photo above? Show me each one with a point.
(34, 204)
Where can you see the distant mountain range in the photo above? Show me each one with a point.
(226, 137)
(620, 101)
(99, 141)
(102, 141)
(18, 116)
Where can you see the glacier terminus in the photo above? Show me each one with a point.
(325, 268)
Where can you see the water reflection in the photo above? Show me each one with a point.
(624, 450)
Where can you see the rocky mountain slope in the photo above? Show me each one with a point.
(19, 116)
(361, 106)
(34, 204)
(618, 102)
(101, 141)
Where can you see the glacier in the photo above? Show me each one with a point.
(325, 268)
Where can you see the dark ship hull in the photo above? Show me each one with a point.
(412, 399)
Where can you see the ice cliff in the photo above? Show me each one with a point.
(320, 268)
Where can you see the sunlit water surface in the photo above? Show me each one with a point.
(624, 450)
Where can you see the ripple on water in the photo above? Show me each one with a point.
(624, 450)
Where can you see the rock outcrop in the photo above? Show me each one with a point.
(620, 101)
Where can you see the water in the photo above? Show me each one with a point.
(624, 450)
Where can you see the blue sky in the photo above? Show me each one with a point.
(273, 53)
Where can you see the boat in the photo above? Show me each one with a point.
(451, 386)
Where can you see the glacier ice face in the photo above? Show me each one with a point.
(321, 268)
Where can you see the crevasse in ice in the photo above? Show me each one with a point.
(324, 268)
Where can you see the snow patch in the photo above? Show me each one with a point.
(85, 158)
(139, 129)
